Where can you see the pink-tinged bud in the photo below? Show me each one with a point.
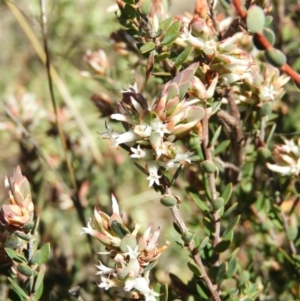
(20, 211)
(98, 61)
(115, 206)
(153, 240)
(198, 27)
(14, 216)
(101, 236)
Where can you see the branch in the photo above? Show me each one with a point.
(211, 177)
(191, 246)
(265, 43)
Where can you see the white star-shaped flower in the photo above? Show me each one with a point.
(137, 152)
(103, 269)
(106, 283)
(159, 127)
(153, 176)
(267, 93)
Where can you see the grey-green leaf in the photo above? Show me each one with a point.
(255, 19)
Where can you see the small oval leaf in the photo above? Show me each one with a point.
(147, 47)
(255, 19)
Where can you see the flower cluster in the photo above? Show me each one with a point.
(133, 256)
(154, 129)
(16, 218)
(19, 213)
(288, 156)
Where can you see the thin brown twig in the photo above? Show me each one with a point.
(51, 90)
(35, 144)
(211, 176)
(61, 87)
(197, 259)
(212, 14)
(286, 68)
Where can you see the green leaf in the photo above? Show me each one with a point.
(275, 57)
(292, 233)
(129, 12)
(221, 147)
(39, 292)
(164, 292)
(165, 24)
(255, 19)
(18, 289)
(194, 268)
(34, 259)
(25, 270)
(268, 21)
(174, 28)
(12, 254)
(209, 224)
(216, 136)
(162, 56)
(150, 266)
(200, 203)
(170, 38)
(145, 7)
(230, 209)
(182, 57)
(221, 273)
(222, 246)
(207, 188)
(147, 47)
(39, 280)
(203, 290)
(215, 106)
(226, 194)
(44, 254)
(232, 267)
(231, 225)
(174, 241)
(203, 243)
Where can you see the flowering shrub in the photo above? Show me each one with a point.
(198, 124)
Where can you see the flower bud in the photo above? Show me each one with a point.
(168, 201)
(208, 166)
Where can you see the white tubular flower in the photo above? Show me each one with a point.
(89, 230)
(290, 147)
(184, 157)
(143, 130)
(103, 269)
(106, 283)
(139, 153)
(153, 176)
(142, 286)
(126, 137)
(159, 127)
(293, 170)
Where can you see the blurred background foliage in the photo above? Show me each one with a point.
(73, 28)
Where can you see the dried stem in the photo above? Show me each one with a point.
(265, 43)
(191, 246)
(53, 100)
(286, 227)
(61, 87)
(211, 4)
(211, 176)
